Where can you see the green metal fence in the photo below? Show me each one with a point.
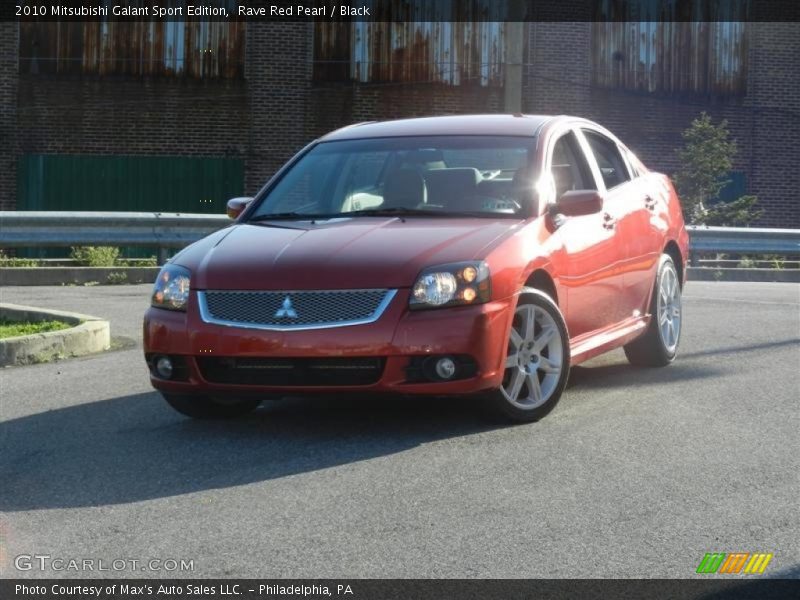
(126, 183)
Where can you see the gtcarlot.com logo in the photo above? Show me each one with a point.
(45, 562)
(745, 563)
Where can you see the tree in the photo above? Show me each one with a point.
(738, 213)
(705, 161)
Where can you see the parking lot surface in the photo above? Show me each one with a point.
(636, 473)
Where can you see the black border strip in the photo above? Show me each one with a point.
(418, 10)
(401, 589)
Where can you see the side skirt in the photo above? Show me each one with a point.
(597, 342)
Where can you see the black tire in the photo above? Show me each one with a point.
(499, 398)
(203, 407)
(650, 349)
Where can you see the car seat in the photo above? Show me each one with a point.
(404, 188)
(453, 188)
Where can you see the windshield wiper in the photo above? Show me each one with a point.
(296, 216)
(398, 211)
(421, 212)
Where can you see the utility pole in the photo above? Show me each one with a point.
(514, 43)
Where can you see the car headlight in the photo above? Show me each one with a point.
(455, 284)
(171, 290)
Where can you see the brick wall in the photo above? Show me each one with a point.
(765, 122)
(131, 116)
(557, 72)
(9, 33)
(278, 73)
(773, 98)
(91, 115)
(277, 108)
(335, 105)
(287, 109)
(264, 119)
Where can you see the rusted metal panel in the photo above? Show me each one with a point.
(194, 49)
(669, 55)
(454, 53)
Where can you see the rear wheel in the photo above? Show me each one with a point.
(203, 407)
(658, 346)
(537, 360)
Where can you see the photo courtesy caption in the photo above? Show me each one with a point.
(57, 589)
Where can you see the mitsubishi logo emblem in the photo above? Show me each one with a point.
(286, 310)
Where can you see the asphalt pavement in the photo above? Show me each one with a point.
(636, 473)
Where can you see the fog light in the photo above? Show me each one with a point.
(164, 367)
(445, 368)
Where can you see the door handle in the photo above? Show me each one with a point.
(649, 202)
(608, 221)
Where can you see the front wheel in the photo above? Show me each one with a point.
(537, 360)
(658, 346)
(203, 407)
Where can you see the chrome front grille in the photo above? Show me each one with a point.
(283, 311)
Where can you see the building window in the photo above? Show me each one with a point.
(190, 49)
(670, 56)
(453, 53)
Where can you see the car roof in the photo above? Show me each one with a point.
(497, 124)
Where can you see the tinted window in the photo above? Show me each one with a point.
(445, 174)
(301, 190)
(633, 163)
(605, 151)
(569, 167)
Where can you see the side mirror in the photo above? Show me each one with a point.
(236, 206)
(576, 203)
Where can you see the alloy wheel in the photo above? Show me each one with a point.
(534, 359)
(668, 309)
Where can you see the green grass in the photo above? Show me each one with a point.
(13, 329)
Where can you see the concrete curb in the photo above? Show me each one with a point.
(753, 275)
(74, 275)
(88, 335)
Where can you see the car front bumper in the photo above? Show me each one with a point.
(400, 338)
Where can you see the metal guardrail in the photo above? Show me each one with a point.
(175, 230)
(51, 229)
(742, 240)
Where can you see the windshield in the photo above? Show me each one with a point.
(439, 175)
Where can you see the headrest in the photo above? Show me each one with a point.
(452, 186)
(426, 159)
(403, 188)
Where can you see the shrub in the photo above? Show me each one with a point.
(117, 278)
(19, 262)
(150, 261)
(95, 256)
(776, 260)
(739, 213)
(705, 161)
(14, 261)
(746, 263)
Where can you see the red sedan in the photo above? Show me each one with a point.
(439, 256)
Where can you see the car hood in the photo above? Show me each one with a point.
(366, 252)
